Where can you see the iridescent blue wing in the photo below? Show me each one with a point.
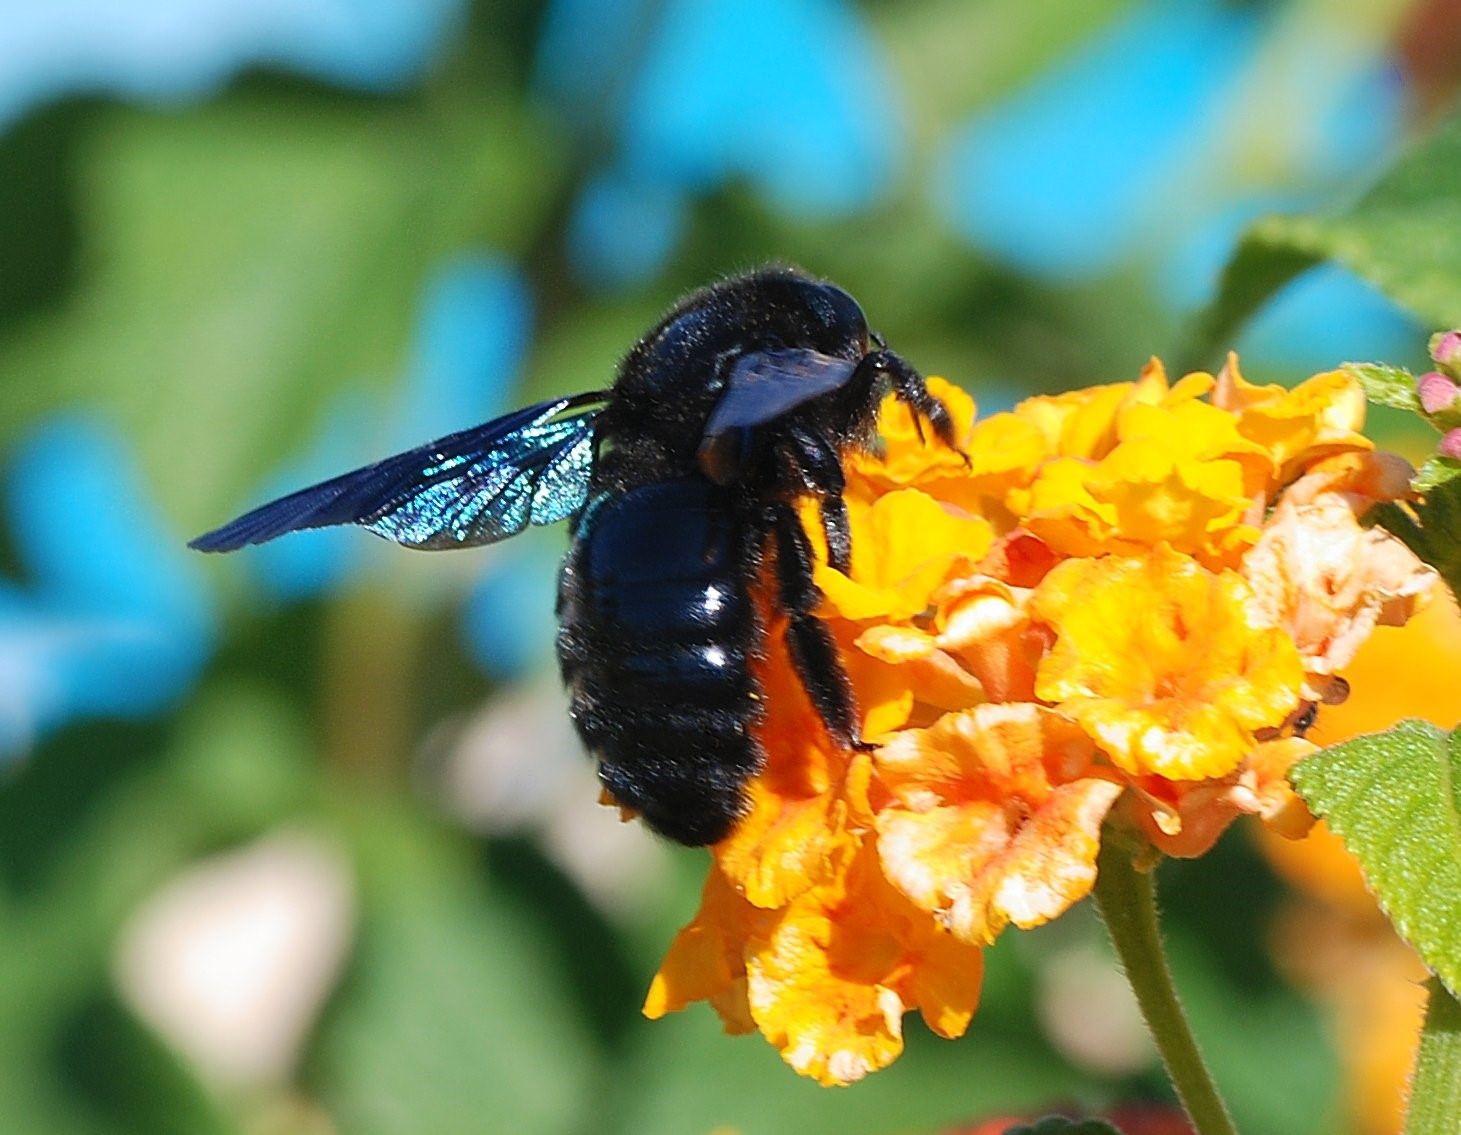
(764, 385)
(473, 487)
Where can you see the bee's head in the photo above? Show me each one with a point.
(801, 310)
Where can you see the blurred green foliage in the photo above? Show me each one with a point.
(207, 278)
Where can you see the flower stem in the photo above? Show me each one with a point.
(1435, 1090)
(1127, 899)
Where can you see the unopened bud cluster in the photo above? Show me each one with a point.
(1439, 391)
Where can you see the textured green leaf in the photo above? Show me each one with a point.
(1435, 473)
(1392, 797)
(1387, 385)
(1435, 1090)
(1430, 528)
(1403, 236)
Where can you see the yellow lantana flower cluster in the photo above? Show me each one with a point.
(1128, 597)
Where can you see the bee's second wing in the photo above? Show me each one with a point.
(474, 487)
(764, 385)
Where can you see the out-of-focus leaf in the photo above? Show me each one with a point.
(1245, 1036)
(1058, 1125)
(129, 1079)
(1435, 1092)
(128, 809)
(1392, 797)
(245, 260)
(37, 213)
(953, 55)
(1432, 527)
(77, 1062)
(1387, 385)
(1403, 236)
(687, 1075)
(450, 1021)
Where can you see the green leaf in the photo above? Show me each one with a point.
(1435, 1095)
(1435, 1090)
(1430, 528)
(1261, 265)
(1058, 1125)
(1435, 473)
(1392, 798)
(1403, 236)
(1387, 385)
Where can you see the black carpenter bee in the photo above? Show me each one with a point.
(681, 482)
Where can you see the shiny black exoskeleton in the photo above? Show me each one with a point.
(682, 481)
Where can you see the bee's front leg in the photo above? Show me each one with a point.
(819, 467)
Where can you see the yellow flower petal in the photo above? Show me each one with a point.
(1156, 659)
(1319, 418)
(903, 548)
(706, 961)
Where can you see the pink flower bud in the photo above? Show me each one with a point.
(1451, 444)
(1437, 392)
(1446, 349)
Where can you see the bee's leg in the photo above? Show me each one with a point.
(910, 388)
(821, 470)
(810, 644)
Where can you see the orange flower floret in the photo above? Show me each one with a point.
(996, 817)
(1319, 418)
(1157, 661)
(827, 977)
(907, 458)
(706, 961)
(1184, 818)
(805, 804)
(831, 981)
(1177, 471)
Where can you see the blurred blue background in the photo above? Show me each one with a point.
(299, 841)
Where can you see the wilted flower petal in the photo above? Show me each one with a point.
(1327, 582)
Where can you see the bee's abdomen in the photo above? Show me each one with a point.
(656, 640)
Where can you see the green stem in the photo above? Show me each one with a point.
(1435, 1092)
(1127, 899)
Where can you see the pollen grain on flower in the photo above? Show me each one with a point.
(1117, 600)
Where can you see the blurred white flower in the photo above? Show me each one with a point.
(517, 767)
(232, 960)
(1089, 1014)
